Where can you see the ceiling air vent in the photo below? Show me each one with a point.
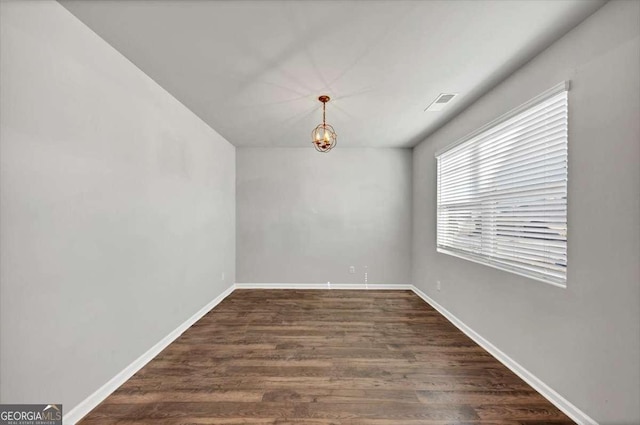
(441, 101)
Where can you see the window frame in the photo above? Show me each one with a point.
(489, 261)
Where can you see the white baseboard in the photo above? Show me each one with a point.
(547, 392)
(89, 403)
(375, 286)
(84, 407)
(281, 286)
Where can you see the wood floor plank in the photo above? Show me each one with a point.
(324, 358)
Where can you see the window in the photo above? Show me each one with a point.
(502, 191)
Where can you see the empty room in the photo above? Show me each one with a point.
(322, 212)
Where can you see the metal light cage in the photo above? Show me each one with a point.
(324, 137)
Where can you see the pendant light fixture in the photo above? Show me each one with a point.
(324, 136)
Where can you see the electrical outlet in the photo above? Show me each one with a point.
(222, 276)
(438, 285)
(352, 269)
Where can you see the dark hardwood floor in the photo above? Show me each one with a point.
(324, 357)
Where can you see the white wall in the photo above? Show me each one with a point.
(583, 341)
(305, 216)
(117, 208)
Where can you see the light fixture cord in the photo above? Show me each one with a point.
(324, 122)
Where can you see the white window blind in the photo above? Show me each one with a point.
(502, 191)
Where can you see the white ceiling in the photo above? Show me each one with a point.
(253, 69)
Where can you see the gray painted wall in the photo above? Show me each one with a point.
(117, 209)
(583, 341)
(305, 217)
